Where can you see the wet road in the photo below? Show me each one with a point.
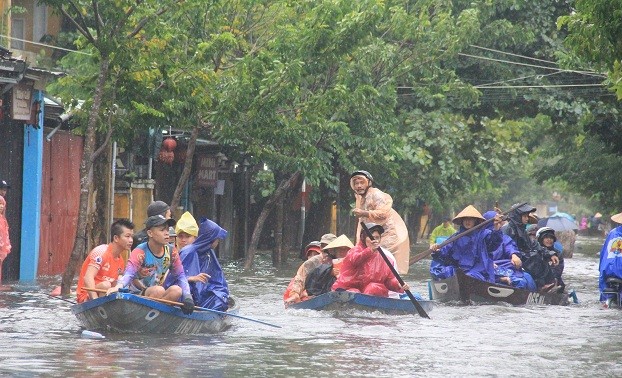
(40, 336)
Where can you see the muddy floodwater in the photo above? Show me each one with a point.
(39, 336)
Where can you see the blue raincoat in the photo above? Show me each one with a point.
(470, 253)
(199, 257)
(610, 259)
(502, 257)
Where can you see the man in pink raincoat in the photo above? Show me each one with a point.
(374, 205)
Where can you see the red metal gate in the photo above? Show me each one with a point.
(59, 201)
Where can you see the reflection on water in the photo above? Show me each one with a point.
(40, 336)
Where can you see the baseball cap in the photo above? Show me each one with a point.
(159, 220)
(4, 185)
(157, 208)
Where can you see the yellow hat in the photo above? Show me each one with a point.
(341, 241)
(617, 218)
(468, 212)
(187, 224)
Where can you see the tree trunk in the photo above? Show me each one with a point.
(100, 199)
(277, 254)
(278, 193)
(86, 184)
(185, 174)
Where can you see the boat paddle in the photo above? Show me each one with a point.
(414, 301)
(428, 252)
(173, 303)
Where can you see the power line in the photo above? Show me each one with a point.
(45, 45)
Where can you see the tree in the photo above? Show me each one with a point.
(112, 30)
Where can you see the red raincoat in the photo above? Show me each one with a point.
(365, 271)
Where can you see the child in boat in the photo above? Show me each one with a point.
(508, 263)
(104, 265)
(471, 253)
(546, 237)
(208, 285)
(535, 257)
(365, 271)
(186, 230)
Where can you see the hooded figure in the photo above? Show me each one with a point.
(471, 253)
(535, 258)
(505, 271)
(376, 206)
(199, 257)
(611, 257)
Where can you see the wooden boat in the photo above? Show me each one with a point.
(129, 313)
(466, 289)
(340, 300)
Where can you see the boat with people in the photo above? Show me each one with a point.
(343, 299)
(465, 289)
(124, 312)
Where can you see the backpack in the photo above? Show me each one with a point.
(320, 280)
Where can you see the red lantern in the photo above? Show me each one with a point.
(169, 144)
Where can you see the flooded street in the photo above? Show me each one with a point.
(40, 336)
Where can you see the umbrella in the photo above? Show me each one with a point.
(558, 223)
(565, 215)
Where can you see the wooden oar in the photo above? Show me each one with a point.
(428, 252)
(173, 303)
(414, 301)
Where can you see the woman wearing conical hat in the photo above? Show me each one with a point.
(470, 253)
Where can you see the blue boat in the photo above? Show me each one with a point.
(340, 300)
(129, 313)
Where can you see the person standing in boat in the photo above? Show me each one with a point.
(508, 262)
(375, 206)
(535, 258)
(364, 270)
(104, 265)
(208, 284)
(150, 262)
(471, 253)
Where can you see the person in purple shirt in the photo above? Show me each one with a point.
(150, 263)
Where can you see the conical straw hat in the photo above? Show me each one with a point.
(468, 212)
(341, 241)
(617, 218)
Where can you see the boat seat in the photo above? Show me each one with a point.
(615, 280)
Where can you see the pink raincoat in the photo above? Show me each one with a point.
(364, 271)
(5, 243)
(395, 237)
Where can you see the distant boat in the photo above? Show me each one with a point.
(340, 300)
(466, 289)
(129, 313)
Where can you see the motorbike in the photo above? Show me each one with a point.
(613, 290)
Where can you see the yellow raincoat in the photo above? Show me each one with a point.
(395, 237)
